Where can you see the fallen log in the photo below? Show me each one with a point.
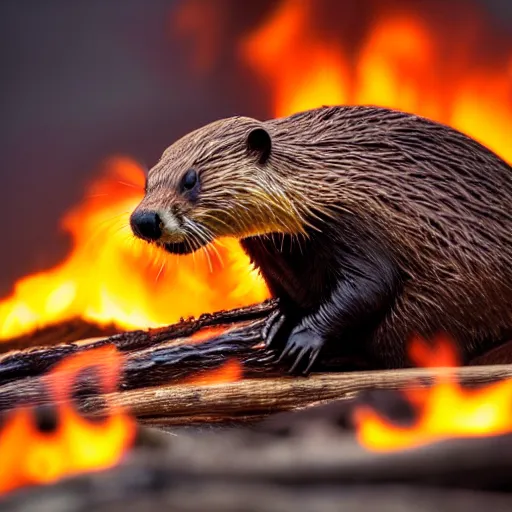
(165, 346)
(259, 397)
(248, 399)
(58, 334)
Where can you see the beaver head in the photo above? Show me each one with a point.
(220, 180)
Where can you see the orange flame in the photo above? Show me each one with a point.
(29, 456)
(305, 71)
(230, 371)
(444, 411)
(398, 64)
(112, 277)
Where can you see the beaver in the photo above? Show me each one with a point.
(370, 225)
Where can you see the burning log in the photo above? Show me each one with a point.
(60, 333)
(163, 379)
(157, 347)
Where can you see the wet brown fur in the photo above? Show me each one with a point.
(396, 191)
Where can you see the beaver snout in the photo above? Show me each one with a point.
(146, 225)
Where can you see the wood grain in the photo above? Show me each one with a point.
(262, 396)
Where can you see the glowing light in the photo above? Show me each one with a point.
(30, 456)
(446, 410)
(112, 277)
(396, 65)
(302, 70)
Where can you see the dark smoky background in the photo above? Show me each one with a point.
(83, 80)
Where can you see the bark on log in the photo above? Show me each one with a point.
(165, 346)
(251, 399)
(58, 334)
(260, 397)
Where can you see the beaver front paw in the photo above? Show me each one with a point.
(307, 343)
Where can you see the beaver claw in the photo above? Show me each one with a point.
(307, 342)
(274, 323)
(301, 339)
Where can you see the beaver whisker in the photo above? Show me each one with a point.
(194, 242)
(215, 218)
(113, 219)
(297, 237)
(207, 248)
(162, 266)
(199, 241)
(126, 184)
(191, 251)
(208, 235)
(272, 237)
(282, 242)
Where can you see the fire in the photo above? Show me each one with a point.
(446, 410)
(278, 51)
(30, 456)
(400, 63)
(112, 277)
(230, 371)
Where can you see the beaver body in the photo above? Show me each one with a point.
(370, 225)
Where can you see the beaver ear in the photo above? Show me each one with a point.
(260, 143)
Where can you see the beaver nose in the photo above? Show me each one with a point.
(146, 225)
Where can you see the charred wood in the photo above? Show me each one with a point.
(161, 351)
(58, 334)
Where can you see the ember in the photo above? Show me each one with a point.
(230, 371)
(446, 410)
(40, 448)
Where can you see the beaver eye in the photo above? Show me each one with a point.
(189, 180)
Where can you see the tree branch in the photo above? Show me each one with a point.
(258, 397)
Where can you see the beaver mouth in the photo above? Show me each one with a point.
(181, 247)
(194, 237)
(186, 247)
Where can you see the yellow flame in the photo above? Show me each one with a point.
(112, 277)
